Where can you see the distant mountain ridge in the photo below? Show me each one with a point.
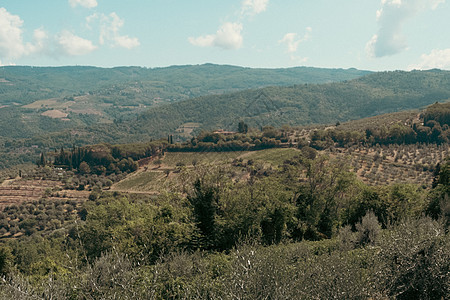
(25, 84)
(35, 101)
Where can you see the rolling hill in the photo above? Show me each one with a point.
(23, 85)
(35, 100)
(42, 107)
(296, 105)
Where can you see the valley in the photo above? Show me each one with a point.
(301, 179)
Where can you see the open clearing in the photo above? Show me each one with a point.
(53, 103)
(55, 114)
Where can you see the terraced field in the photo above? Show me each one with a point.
(17, 191)
(375, 166)
(396, 163)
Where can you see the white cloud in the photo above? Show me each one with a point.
(125, 41)
(109, 31)
(40, 41)
(391, 18)
(73, 45)
(437, 59)
(290, 39)
(292, 43)
(228, 36)
(11, 41)
(254, 7)
(83, 3)
(12, 45)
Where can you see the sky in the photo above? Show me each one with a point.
(372, 35)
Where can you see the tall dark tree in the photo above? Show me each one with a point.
(204, 200)
(242, 127)
(42, 160)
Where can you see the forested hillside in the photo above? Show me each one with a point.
(302, 104)
(52, 124)
(24, 85)
(52, 106)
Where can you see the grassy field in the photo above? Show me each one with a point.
(373, 165)
(53, 103)
(142, 181)
(275, 156)
(172, 159)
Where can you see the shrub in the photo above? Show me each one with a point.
(414, 261)
(368, 230)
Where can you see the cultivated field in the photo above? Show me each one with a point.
(16, 191)
(373, 165)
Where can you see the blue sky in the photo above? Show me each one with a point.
(364, 34)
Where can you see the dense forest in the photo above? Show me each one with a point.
(303, 104)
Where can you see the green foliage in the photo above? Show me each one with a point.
(438, 112)
(399, 130)
(134, 227)
(414, 260)
(368, 230)
(6, 260)
(439, 205)
(326, 186)
(371, 95)
(277, 223)
(204, 201)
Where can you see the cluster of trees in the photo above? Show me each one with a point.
(434, 129)
(103, 159)
(243, 140)
(42, 215)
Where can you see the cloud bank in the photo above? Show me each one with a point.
(437, 59)
(391, 18)
(12, 45)
(228, 36)
(73, 45)
(83, 3)
(11, 41)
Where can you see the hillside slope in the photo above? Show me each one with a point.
(301, 104)
(37, 100)
(23, 85)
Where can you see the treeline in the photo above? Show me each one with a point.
(242, 140)
(433, 128)
(103, 159)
